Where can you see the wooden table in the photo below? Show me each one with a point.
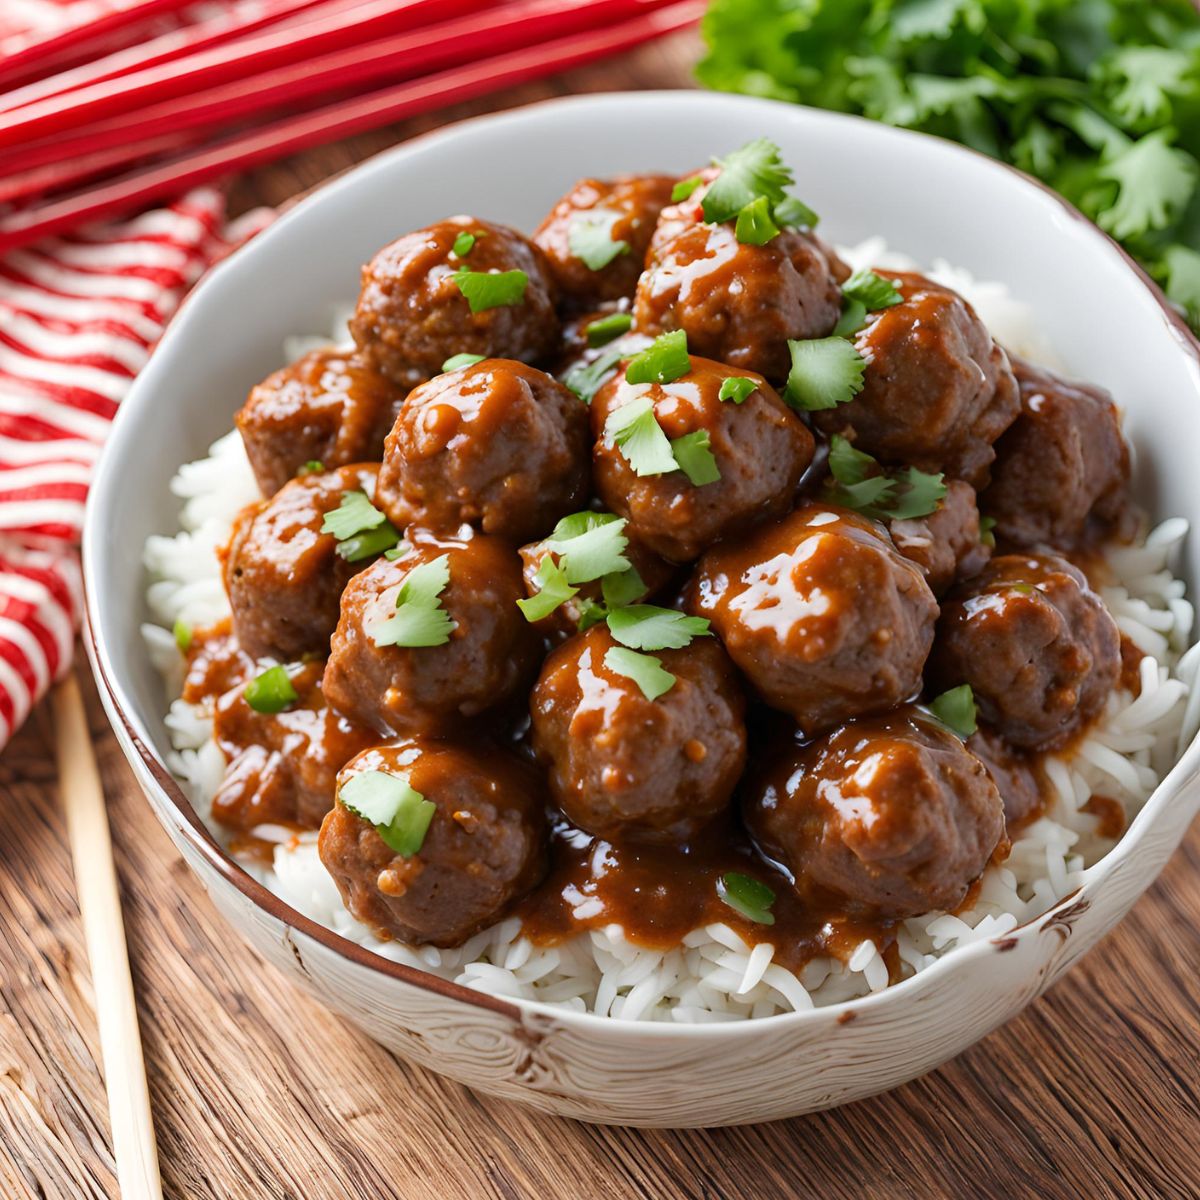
(259, 1094)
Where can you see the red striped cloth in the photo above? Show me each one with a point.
(78, 317)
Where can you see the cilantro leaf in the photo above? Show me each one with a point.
(693, 453)
(491, 289)
(825, 372)
(861, 484)
(795, 214)
(871, 290)
(462, 245)
(461, 360)
(590, 238)
(1145, 80)
(1156, 180)
(370, 543)
(663, 361)
(602, 331)
(648, 627)
(400, 814)
(635, 430)
(623, 588)
(644, 669)
(589, 545)
(754, 224)
(553, 590)
(853, 318)
(586, 379)
(918, 495)
(956, 709)
(846, 464)
(754, 170)
(420, 619)
(737, 388)
(354, 514)
(684, 188)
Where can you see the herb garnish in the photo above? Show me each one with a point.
(462, 245)
(399, 813)
(737, 388)
(752, 187)
(461, 360)
(956, 710)
(360, 528)
(420, 618)
(648, 627)
(644, 669)
(987, 535)
(693, 453)
(748, 896)
(587, 379)
(314, 466)
(825, 372)
(182, 632)
(663, 361)
(635, 430)
(553, 590)
(860, 483)
(271, 692)
(491, 289)
(591, 239)
(602, 331)
(590, 545)
(871, 290)
(684, 188)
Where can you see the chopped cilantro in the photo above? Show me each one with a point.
(182, 631)
(271, 692)
(420, 618)
(589, 545)
(648, 627)
(748, 896)
(684, 188)
(987, 535)
(853, 318)
(382, 539)
(737, 388)
(663, 361)
(795, 214)
(587, 379)
(644, 669)
(635, 430)
(753, 171)
(400, 814)
(624, 587)
(956, 709)
(754, 224)
(491, 289)
(825, 372)
(314, 466)
(861, 484)
(462, 245)
(590, 238)
(461, 360)
(553, 590)
(693, 453)
(354, 514)
(871, 290)
(918, 494)
(602, 331)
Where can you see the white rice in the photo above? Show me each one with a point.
(714, 975)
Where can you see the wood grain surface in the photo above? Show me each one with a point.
(261, 1095)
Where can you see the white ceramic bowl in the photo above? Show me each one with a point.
(929, 199)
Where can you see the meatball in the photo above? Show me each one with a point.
(421, 687)
(328, 407)
(412, 315)
(738, 303)
(622, 211)
(647, 576)
(497, 445)
(283, 575)
(282, 766)
(624, 766)
(1062, 463)
(1036, 644)
(946, 544)
(937, 391)
(761, 449)
(822, 614)
(485, 845)
(887, 817)
(1017, 775)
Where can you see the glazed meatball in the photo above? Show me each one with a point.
(821, 613)
(485, 845)
(738, 303)
(886, 817)
(497, 445)
(621, 765)
(1036, 644)
(422, 688)
(946, 544)
(647, 576)
(328, 407)
(412, 315)
(622, 211)
(282, 766)
(1061, 464)
(1017, 775)
(283, 575)
(937, 391)
(760, 446)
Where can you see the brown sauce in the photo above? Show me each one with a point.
(1110, 814)
(215, 663)
(658, 894)
(1130, 679)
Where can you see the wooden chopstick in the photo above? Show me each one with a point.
(339, 120)
(241, 59)
(53, 163)
(104, 932)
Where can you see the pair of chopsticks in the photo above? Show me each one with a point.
(150, 120)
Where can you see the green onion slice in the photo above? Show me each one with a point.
(271, 692)
(956, 710)
(602, 331)
(663, 361)
(461, 360)
(737, 388)
(748, 896)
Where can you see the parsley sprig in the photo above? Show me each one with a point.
(860, 483)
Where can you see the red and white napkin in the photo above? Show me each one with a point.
(78, 318)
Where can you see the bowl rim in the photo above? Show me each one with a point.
(132, 737)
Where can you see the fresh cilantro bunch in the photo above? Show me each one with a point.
(1099, 98)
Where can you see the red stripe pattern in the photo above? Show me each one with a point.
(78, 318)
